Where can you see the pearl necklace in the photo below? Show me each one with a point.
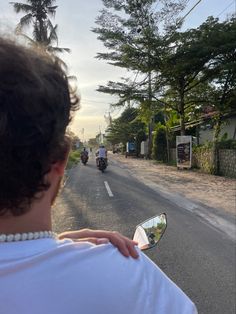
(26, 236)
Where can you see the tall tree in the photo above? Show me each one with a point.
(192, 60)
(176, 66)
(131, 32)
(223, 72)
(128, 127)
(223, 80)
(37, 15)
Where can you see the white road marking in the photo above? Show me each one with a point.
(108, 189)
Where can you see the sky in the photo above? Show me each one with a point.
(75, 18)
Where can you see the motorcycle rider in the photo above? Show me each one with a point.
(84, 154)
(101, 153)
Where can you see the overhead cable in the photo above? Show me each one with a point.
(226, 8)
(183, 18)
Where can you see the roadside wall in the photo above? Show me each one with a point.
(203, 159)
(227, 158)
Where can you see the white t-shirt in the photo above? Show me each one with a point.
(140, 236)
(48, 276)
(102, 153)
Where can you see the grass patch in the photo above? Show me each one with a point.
(74, 158)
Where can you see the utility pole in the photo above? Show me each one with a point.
(82, 132)
(150, 104)
(100, 135)
(108, 118)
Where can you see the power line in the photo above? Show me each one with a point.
(226, 8)
(93, 101)
(183, 18)
(158, 3)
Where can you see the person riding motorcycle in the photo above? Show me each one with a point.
(84, 155)
(101, 153)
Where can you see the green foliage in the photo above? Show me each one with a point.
(207, 155)
(202, 148)
(130, 32)
(127, 128)
(74, 139)
(92, 142)
(183, 72)
(74, 158)
(199, 69)
(203, 156)
(159, 151)
(44, 33)
(37, 14)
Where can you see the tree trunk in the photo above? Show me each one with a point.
(167, 145)
(215, 150)
(167, 137)
(182, 114)
(182, 125)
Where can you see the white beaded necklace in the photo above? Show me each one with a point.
(26, 236)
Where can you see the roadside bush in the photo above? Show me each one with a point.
(74, 158)
(159, 149)
(207, 157)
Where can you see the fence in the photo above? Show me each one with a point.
(203, 159)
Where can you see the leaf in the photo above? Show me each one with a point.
(21, 7)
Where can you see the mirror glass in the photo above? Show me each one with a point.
(149, 232)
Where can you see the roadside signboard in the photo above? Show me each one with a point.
(130, 147)
(144, 148)
(184, 151)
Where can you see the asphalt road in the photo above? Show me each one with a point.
(195, 254)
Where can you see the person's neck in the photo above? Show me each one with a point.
(37, 218)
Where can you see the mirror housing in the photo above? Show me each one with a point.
(149, 232)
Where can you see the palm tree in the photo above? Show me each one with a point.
(44, 33)
(37, 14)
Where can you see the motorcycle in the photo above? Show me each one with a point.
(102, 164)
(150, 231)
(84, 158)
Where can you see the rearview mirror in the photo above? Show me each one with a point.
(149, 232)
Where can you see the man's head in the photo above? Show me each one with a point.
(35, 109)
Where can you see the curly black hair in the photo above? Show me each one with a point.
(36, 106)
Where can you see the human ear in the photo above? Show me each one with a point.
(60, 165)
